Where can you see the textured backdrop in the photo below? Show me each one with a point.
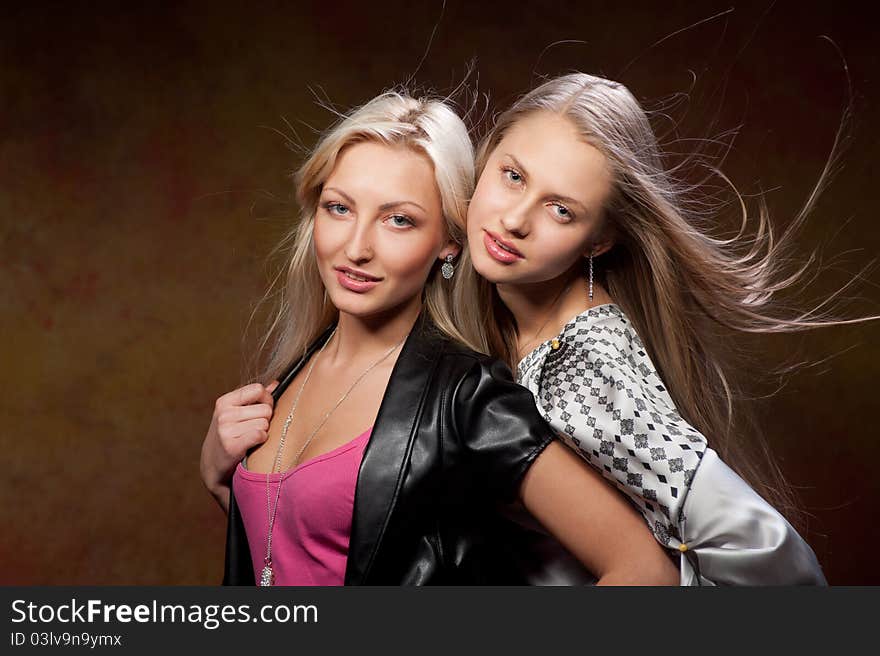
(144, 176)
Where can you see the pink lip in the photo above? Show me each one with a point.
(498, 253)
(359, 286)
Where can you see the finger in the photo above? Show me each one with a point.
(251, 439)
(237, 448)
(241, 396)
(267, 394)
(230, 429)
(258, 424)
(231, 433)
(245, 412)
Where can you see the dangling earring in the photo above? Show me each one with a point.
(447, 269)
(591, 280)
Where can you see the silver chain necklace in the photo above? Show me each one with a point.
(267, 575)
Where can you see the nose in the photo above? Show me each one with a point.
(359, 248)
(516, 218)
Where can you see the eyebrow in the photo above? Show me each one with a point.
(565, 199)
(383, 207)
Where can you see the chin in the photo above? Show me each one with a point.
(490, 269)
(358, 307)
(363, 306)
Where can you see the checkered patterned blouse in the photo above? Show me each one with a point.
(596, 385)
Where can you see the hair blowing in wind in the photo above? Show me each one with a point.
(684, 288)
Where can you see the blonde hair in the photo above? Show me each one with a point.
(676, 282)
(427, 125)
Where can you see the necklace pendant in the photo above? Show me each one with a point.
(267, 577)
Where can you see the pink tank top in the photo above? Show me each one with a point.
(313, 521)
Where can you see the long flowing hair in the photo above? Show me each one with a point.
(683, 288)
(301, 308)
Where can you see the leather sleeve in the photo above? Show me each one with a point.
(239, 569)
(498, 427)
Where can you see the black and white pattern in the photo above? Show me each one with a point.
(599, 389)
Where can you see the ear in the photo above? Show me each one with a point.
(452, 248)
(597, 248)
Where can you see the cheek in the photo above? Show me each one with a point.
(412, 260)
(486, 199)
(556, 248)
(409, 259)
(328, 239)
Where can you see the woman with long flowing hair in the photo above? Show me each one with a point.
(602, 283)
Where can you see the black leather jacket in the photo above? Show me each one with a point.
(453, 437)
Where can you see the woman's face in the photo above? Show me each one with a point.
(538, 205)
(379, 228)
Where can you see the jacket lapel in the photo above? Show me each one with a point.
(382, 468)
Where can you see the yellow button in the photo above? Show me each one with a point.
(554, 344)
(682, 547)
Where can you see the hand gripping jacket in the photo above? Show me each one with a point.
(453, 437)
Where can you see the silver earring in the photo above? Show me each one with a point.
(447, 269)
(591, 279)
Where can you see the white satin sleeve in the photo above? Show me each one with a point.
(734, 537)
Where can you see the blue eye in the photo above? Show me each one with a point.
(562, 212)
(336, 208)
(400, 221)
(512, 175)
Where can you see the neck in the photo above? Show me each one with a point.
(364, 337)
(545, 307)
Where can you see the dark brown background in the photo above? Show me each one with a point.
(142, 182)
